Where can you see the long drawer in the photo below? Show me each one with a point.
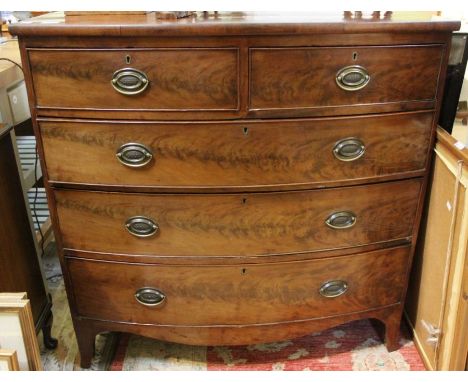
(337, 80)
(237, 224)
(175, 79)
(230, 295)
(230, 155)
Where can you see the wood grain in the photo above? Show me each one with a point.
(305, 77)
(237, 225)
(232, 23)
(179, 78)
(432, 298)
(233, 260)
(222, 155)
(316, 40)
(202, 228)
(234, 295)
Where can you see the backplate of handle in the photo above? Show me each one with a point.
(349, 149)
(141, 226)
(129, 81)
(352, 78)
(341, 220)
(134, 155)
(333, 288)
(150, 297)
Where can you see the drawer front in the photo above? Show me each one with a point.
(237, 224)
(152, 79)
(308, 78)
(224, 295)
(223, 155)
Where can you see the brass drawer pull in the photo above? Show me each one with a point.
(129, 81)
(333, 288)
(352, 78)
(349, 149)
(150, 297)
(341, 220)
(134, 155)
(141, 226)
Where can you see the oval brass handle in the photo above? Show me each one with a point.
(341, 220)
(141, 226)
(349, 149)
(352, 78)
(150, 297)
(333, 288)
(134, 155)
(129, 81)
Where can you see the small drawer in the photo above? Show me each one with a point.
(164, 80)
(343, 80)
(237, 295)
(223, 155)
(237, 224)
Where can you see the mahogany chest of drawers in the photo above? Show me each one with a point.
(238, 179)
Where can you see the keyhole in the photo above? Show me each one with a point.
(127, 59)
(244, 200)
(246, 130)
(244, 271)
(355, 56)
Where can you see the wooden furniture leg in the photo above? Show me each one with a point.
(49, 342)
(86, 338)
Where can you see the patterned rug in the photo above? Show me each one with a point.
(352, 346)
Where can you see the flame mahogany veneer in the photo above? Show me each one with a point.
(238, 179)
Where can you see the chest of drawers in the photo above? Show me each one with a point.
(234, 180)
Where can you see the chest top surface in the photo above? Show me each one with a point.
(230, 23)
